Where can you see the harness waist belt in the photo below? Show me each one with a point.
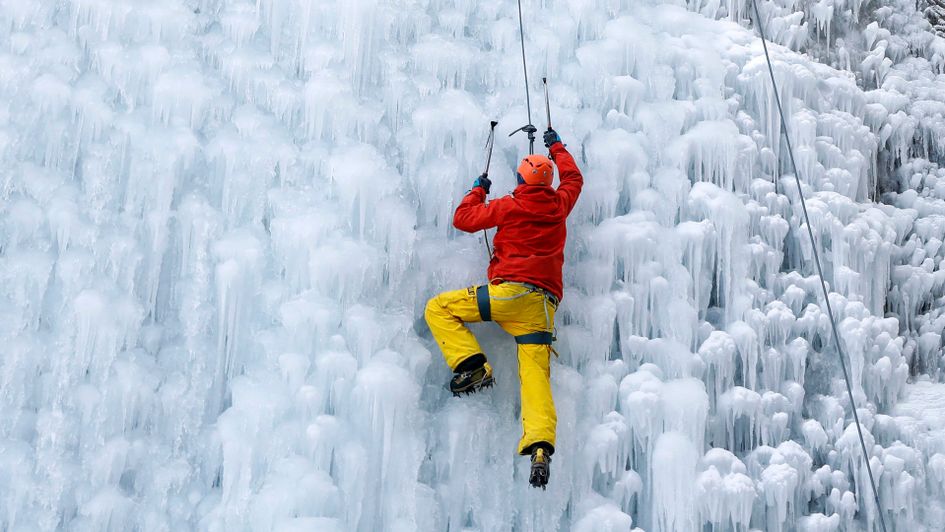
(551, 297)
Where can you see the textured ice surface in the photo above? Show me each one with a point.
(220, 220)
(924, 401)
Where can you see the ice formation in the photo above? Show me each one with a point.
(220, 219)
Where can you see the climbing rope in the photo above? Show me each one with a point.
(521, 33)
(528, 128)
(820, 272)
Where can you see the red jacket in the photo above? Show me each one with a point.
(529, 245)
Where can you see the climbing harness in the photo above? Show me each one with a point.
(528, 128)
(820, 272)
(485, 308)
(535, 288)
(484, 302)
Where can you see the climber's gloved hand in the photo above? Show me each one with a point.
(551, 138)
(483, 181)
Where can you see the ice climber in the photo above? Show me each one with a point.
(522, 294)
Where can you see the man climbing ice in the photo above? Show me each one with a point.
(522, 294)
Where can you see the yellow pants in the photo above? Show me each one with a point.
(519, 311)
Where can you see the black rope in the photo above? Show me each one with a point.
(820, 272)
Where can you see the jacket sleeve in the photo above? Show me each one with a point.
(474, 214)
(571, 179)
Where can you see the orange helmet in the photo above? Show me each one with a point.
(536, 170)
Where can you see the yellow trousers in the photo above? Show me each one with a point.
(519, 311)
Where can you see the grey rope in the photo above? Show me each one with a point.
(820, 272)
(521, 30)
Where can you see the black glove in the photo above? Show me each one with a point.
(483, 181)
(551, 138)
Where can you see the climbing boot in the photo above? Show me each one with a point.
(469, 381)
(541, 468)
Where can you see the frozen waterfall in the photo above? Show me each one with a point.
(220, 221)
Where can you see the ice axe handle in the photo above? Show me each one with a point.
(544, 81)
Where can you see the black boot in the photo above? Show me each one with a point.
(541, 467)
(472, 375)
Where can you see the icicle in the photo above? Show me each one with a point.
(674, 472)
(604, 517)
(726, 493)
(239, 265)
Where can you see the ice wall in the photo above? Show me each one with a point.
(891, 48)
(221, 219)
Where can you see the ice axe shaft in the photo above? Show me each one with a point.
(544, 81)
(491, 142)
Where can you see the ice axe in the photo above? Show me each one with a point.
(544, 81)
(530, 131)
(490, 142)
